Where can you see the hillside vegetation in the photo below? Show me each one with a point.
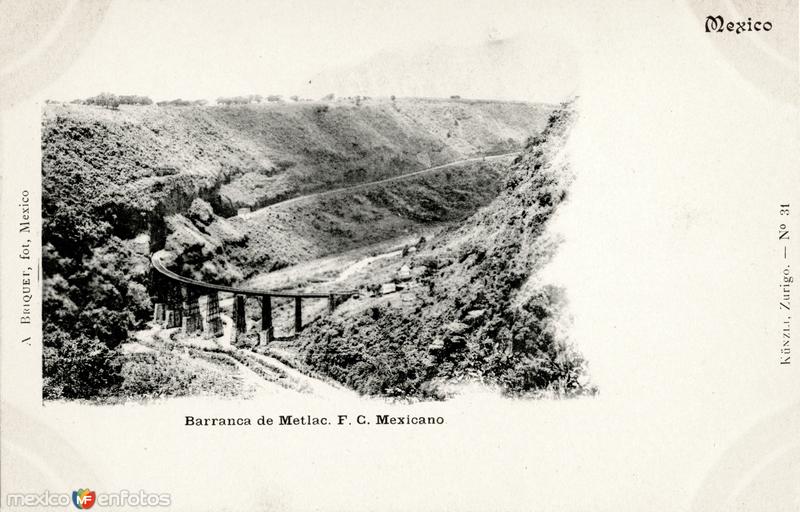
(211, 248)
(475, 310)
(141, 158)
(119, 184)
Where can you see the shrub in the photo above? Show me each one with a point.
(237, 100)
(180, 103)
(200, 212)
(104, 99)
(76, 366)
(157, 374)
(131, 99)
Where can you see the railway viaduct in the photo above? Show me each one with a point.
(177, 305)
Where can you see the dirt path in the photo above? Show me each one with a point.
(363, 263)
(150, 340)
(315, 386)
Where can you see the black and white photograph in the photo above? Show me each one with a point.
(385, 245)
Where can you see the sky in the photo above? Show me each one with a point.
(201, 49)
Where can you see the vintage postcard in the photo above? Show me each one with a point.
(365, 255)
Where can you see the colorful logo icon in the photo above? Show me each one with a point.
(84, 498)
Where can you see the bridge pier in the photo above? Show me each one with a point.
(239, 331)
(174, 315)
(331, 302)
(173, 319)
(266, 334)
(192, 320)
(214, 328)
(159, 287)
(159, 313)
(298, 315)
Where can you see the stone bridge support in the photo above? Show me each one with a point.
(214, 328)
(174, 314)
(298, 315)
(159, 313)
(158, 294)
(267, 333)
(239, 331)
(192, 320)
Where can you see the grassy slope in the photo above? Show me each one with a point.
(477, 310)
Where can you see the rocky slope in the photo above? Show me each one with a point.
(474, 309)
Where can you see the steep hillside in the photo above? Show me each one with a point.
(474, 309)
(227, 250)
(136, 161)
(118, 184)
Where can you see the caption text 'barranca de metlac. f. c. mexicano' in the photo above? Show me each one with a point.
(309, 420)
